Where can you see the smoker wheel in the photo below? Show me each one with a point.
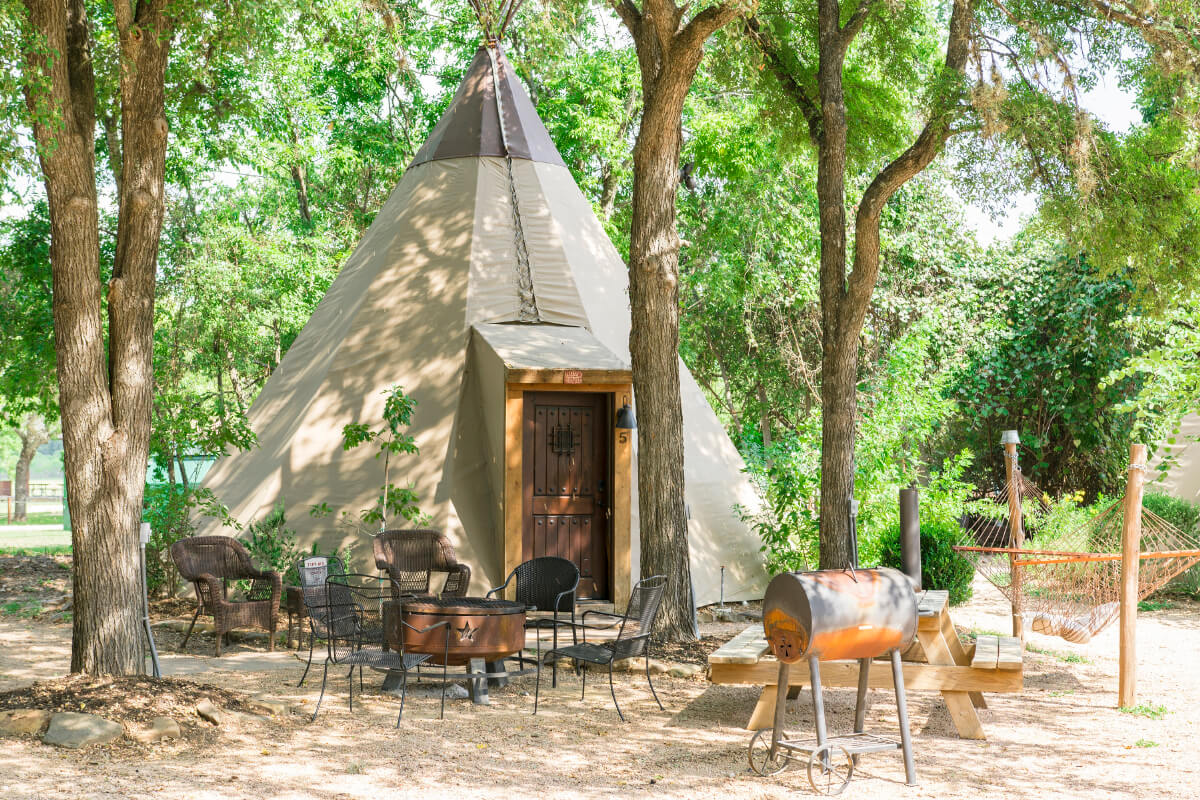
(760, 754)
(829, 769)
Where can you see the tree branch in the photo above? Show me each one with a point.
(787, 81)
(854, 25)
(861, 282)
(705, 24)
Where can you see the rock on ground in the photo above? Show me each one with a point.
(208, 712)
(262, 704)
(75, 730)
(161, 728)
(29, 721)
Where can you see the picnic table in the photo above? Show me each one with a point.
(938, 661)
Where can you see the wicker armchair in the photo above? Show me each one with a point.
(210, 562)
(633, 638)
(410, 557)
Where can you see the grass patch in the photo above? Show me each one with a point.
(42, 550)
(1062, 693)
(1145, 710)
(36, 518)
(1069, 658)
(1145, 743)
(23, 610)
(976, 634)
(1155, 605)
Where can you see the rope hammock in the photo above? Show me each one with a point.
(1069, 580)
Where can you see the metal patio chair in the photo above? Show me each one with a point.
(210, 562)
(633, 639)
(410, 557)
(312, 572)
(546, 583)
(351, 612)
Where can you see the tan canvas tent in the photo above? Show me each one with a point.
(487, 288)
(1183, 480)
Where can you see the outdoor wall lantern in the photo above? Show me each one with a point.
(625, 419)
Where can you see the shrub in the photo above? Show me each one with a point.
(167, 510)
(1186, 517)
(272, 544)
(941, 567)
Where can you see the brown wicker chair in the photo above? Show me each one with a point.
(210, 562)
(410, 558)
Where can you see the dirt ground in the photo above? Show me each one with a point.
(1061, 738)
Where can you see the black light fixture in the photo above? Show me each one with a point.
(625, 419)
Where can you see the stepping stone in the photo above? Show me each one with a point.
(454, 691)
(269, 706)
(160, 728)
(208, 711)
(684, 670)
(74, 730)
(29, 721)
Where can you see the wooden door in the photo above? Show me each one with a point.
(566, 491)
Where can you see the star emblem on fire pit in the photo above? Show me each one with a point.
(466, 633)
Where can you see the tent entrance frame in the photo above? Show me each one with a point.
(618, 386)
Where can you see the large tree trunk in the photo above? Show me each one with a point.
(839, 352)
(845, 298)
(668, 55)
(33, 435)
(104, 392)
(654, 349)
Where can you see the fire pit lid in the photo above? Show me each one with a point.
(471, 606)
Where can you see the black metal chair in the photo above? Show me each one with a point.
(351, 616)
(313, 571)
(633, 639)
(546, 583)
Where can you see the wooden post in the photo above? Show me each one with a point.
(1131, 544)
(1016, 533)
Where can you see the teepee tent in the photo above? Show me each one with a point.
(1183, 479)
(488, 290)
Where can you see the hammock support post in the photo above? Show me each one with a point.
(1131, 542)
(1016, 534)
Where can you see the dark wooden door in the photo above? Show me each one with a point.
(566, 509)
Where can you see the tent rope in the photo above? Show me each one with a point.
(1070, 573)
(527, 310)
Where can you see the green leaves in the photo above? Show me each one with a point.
(390, 440)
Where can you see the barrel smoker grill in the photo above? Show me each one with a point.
(831, 615)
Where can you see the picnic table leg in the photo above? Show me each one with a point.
(959, 653)
(962, 710)
(764, 710)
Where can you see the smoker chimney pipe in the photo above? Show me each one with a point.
(910, 534)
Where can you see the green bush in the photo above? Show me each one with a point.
(272, 544)
(1186, 517)
(1183, 515)
(941, 567)
(167, 510)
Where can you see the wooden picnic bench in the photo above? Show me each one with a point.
(937, 662)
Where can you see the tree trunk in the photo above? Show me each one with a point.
(104, 386)
(845, 298)
(668, 55)
(654, 349)
(839, 362)
(33, 435)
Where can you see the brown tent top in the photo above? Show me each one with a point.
(470, 127)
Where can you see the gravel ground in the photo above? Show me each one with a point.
(1061, 738)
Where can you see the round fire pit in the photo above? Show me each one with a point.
(480, 628)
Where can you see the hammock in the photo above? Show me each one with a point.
(1070, 580)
